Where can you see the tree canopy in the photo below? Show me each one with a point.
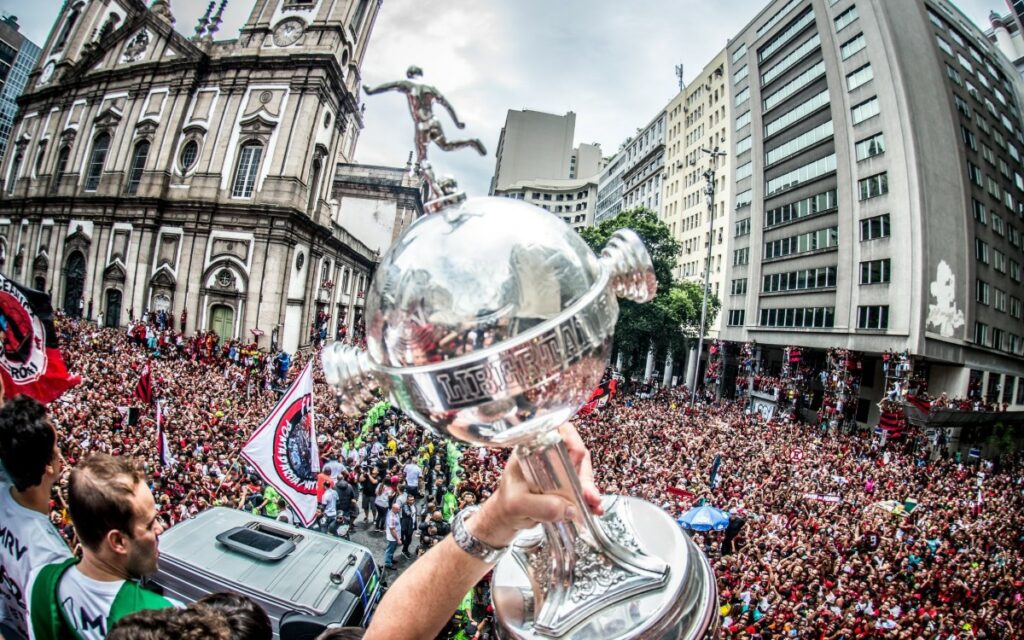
(673, 317)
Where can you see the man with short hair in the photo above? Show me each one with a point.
(116, 521)
(413, 473)
(28, 450)
(393, 533)
(408, 516)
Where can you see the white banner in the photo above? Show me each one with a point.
(284, 451)
(167, 459)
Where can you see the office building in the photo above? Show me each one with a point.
(878, 202)
(536, 145)
(609, 188)
(18, 55)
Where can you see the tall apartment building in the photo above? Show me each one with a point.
(18, 55)
(879, 196)
(533, 144)
(699, 117)
(644, 166)
(537, 163)
(609, 188)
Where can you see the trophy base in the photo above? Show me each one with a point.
(685, 607)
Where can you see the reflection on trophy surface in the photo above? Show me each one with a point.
(490, 322)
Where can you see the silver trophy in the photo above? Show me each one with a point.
(491, 322)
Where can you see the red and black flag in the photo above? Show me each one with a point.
(892, 423)
(144, 388)
(31, 363)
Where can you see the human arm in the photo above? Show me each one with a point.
(434, 585)
(451, 110)
(387, 86)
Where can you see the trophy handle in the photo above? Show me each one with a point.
(579, 566)
(630, 270)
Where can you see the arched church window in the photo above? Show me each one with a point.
(100, 147)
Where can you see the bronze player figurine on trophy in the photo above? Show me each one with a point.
(490, 322)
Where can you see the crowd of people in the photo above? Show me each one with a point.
(822, 544)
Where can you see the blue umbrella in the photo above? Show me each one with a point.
(704, 518)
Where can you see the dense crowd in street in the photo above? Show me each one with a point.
(826, 548)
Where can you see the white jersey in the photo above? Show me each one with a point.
(28, 541)
(87, 602)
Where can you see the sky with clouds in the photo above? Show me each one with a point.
(611, 62)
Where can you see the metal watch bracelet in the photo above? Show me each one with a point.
(470, 543)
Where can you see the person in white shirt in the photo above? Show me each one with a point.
(28, 450)
(393, 533)
(412, 479)
(116, 521)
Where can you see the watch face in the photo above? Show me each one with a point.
(47, 72)
(288, 32)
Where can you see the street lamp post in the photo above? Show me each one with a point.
(709, 191)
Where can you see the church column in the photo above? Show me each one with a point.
(666, 378)
(649, 367)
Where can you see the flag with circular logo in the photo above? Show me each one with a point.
(31, 363)
(284, 449)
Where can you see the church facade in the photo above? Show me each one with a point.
(148, 171)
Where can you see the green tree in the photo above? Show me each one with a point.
(672, 319)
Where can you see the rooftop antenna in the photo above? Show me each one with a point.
(679, 76)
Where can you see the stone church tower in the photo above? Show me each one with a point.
(152, 171)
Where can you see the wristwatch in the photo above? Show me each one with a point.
(470, 543)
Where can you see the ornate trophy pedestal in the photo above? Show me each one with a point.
(684, 607)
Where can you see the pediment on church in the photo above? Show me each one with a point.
(256, 123)
(163, 278)
(142, 38)
(115, 273)
(109, 117)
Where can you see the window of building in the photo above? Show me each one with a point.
(981, 292)
(970, 140)
(981, 334)
(979, 212)
(962, 106)
(65, 32)
(800, 175)
(953, 75)
(944, 45)
(745, 170)
(188, 155)
(1015, 307)
(852, 46)
(743, 227)
(249, 157)
(740, 74)
(818, 203)
(741, 256)
(742, 96)
(873, 317)
(744, 145)
(803, 141)
(873, 186)
(138, 166)
(62, 166)
(100, 146)
(846, 18)
(870, 147)
(738, 54)
(865, 110)
(794, 85)
(876, 271)
(786, 35)
(744, 198)
(1015, 271)
(40, 157)
(803, 243)
(965, 63)
(797, 114)
(999, 299)
(742, 121)
(739, 287)
(993, 188)
(12, 178)
(736, 317)
(874, 228)
(790, 59)
(859, 77)
(981, 251)
(997, 224)
(813, 317)
(974, 175)
(804, 279)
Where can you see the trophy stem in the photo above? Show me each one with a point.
(578, 566)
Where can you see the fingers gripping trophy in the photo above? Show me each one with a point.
(490, 321)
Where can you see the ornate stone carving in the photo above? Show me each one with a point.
(136, 47)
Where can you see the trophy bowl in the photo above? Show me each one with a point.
(491, 322)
